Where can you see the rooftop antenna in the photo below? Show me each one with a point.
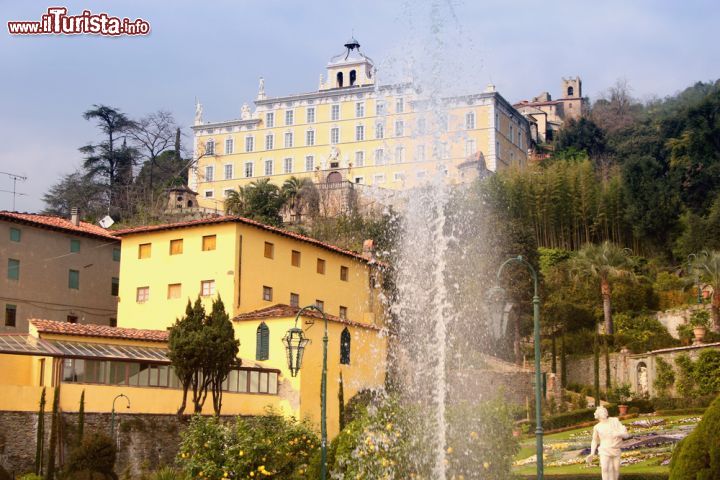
(14, 177)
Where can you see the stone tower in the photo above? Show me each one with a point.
(571, 98)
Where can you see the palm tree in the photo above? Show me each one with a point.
(711, 270)
(297, 193)
(235, 203)
(604, 262)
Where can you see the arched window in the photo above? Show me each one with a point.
(189, 203)
(353, 77)
(262, 344)
(571, 90)
(345, 347)
(339, 79)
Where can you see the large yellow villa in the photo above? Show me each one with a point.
(352, 129)
(264, 276)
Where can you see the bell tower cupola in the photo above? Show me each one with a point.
(351, 68)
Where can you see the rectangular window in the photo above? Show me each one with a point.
(288, 165)
(176, 246)
(209, 193)
(269, 250)
(207, 288)
(344, 273)
(309, 163)
(249, 144)
(359, 133)
(444, 150)
(520, 144)
(228, 171)
(295, 258)
(398, 176)
(311, 115)
(320, 304)
(209, 174)
(334, 112)
(359, 159)
(13, 272)
(289, 117)
(321, 266)
(421, 126)
(268, 167)
(420, 153)
(74, 279)
(379, 107)
(512, 135)
(288, 139)
(229, 146)
(399, 154)
(71, 318)
(270, 119)
(334, 135)
(294, 300)
(497, 149)
(379, 178)
(359, 110)
(249, 167)
(174, 290)
(379, 130)
(469, 147)
(142, 295)
(114, 286)
(399, 128)
(74, 245)
(269, 140)
(399, 105)
(14, 234)
(469, 121)
(343, 312)
(310, 138)
(144, 250)
(209, 242)
(267, 293)
(10, 315)
(210, 147)
(113, 322)
(359, 179)
(379, 157)
(116, 254)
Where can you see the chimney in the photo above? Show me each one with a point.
(369, 249)
(74, 216)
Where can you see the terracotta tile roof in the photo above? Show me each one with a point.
(245, 221)
(286, 311)
(98, 331)
(58, 224)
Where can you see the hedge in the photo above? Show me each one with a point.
(623, 476)
(682, 411)
(575, 417)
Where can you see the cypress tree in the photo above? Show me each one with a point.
(54, 425)
(40, 439)
(596, 366)
(341, 403)
(81, 418)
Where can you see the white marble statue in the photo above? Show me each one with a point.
(609, 434)
(261, 89)
(198, 112)
(245, 112)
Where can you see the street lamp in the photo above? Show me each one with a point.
(295, 342)
(497, 305)
(112, 415)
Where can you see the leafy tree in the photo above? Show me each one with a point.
(642, 333)
(75, 190)
(583, 135)
(222, 352)
(95, 455)
(300, 196)
(707, 372)
(260, 200)
(604, 263)
(153, 135)
(711, 274)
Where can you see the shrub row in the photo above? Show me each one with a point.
(575, 417)
(623, 476)
(682, 411)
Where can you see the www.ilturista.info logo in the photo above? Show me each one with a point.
(57, 22)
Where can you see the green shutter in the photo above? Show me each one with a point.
(13, 272)
(262, 344)
(74, 279)
(74, 245)
(115, 287)
(116, 254)
(14, 234)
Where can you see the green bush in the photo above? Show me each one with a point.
(569, 419)
(30, 476)
(664, 376)
(685, 383)
(95, 455)
(267, 445)
(166, 473)
(695, 402)
(589, 476)
(697, 457)
(641, 333)
(707, 372)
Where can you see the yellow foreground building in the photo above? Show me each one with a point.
(354, 130)
(264, 276)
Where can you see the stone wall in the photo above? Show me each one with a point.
(672, 319)
(145, 442)
(581, 369)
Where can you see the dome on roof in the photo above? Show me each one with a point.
(352, 54)
(352, 43)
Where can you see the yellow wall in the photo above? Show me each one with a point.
(367, 367)
(16, 370)
(42, 290)
(455, 134)
(240, 271)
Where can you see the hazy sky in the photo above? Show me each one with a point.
(216, 50)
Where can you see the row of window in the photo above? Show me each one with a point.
(442, 152)
(310, 135)
(262, 344)
(209, 243)
(136, 374)
(16, 235)
(380, 109)
(13, 273)
(11, 317)
(295, 258)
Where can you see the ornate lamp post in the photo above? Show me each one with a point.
(295, 342)
(112, 415)
(496, 300)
